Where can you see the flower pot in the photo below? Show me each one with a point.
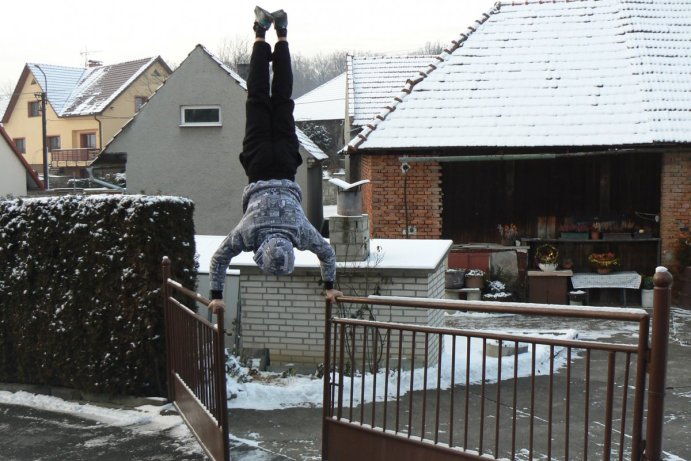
(547, 267)
(594, 235)
(453, 278)
(647, 298)
(474, 281)
(603, 270)
(577, 297)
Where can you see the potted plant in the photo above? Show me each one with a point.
(574, 231)
(603, 262)
(453, 278)
(497, 292)
(595, 229)
(547, 256)
(508, 233)
(474, 278)
(647, 291)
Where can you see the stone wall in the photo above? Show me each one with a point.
(286, 314)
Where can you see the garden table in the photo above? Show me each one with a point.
(628, 280)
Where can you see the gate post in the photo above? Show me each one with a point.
(165, 292)
(326, 404)
(658, 363)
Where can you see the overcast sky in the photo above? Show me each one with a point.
(59, 32)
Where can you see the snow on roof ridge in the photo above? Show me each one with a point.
(229, 71)
(410, 83)
(535, 2)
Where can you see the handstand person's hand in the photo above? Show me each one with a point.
(332, 294)
(216, 305)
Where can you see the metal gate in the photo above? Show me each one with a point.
(195, 354)
(561, 408)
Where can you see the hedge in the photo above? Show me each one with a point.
(80, 289)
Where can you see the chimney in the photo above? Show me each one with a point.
(95, 63)
(349, 229)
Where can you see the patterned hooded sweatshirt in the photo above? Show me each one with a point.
(272, 211)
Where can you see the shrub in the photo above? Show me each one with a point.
(80, 284)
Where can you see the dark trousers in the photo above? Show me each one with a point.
(270, 149)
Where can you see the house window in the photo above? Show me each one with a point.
(34, 108)
(87, 140)
(53, 143)
(200, 116)
(139, 102)
(20, 144)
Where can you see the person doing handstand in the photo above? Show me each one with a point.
(273, 223)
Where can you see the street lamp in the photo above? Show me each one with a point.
(43, 95)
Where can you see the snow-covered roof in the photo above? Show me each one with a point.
(74, 91)
(551, 73)
(374, 80)
(392, 254)
(326, 102)
(310, 146)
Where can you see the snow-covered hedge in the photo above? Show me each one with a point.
(80, 289)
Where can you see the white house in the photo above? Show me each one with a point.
(16, 176)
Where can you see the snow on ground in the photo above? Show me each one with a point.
(272, 392)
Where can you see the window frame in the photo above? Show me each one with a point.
(137, 105)
(22, 149)
(48, 142)
(85, 135)
(32, 104)
(184, 123)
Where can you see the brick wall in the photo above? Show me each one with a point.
(286, 314)
(675, 209)
(383, 198)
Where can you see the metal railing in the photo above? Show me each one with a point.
(195, 354)
(489, 395)
(72, 157)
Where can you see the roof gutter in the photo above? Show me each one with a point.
(507, 157)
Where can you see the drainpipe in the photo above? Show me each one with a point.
(100, 132)
(313, 202)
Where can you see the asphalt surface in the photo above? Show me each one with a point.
(295, 434)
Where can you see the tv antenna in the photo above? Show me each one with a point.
(85, 55)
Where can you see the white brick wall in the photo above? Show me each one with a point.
(286, 314)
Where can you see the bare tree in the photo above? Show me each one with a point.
(308, 72)
(235, 52)
(431, 48)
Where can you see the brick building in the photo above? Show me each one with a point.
(546, 115)
(285, 315)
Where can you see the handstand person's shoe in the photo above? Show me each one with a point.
(280, 19)
(263, 18)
